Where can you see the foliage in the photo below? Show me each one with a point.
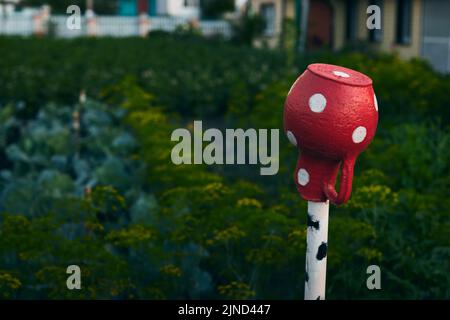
(288, 39)
(212, 9)
(247, 28)
(191, 76)
(91, 183)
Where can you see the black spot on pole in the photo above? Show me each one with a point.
(312, 223)
(306, 277)
(322, 252)
(318, 298)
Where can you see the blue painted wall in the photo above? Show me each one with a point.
(130, 8)
(152, 8)
(127, 8)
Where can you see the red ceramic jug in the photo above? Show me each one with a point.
(331, 115)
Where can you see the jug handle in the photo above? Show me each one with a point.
(345, 188)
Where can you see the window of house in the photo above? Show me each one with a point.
(376, 35)
(404, 17)
(350, 19)
(268, 13)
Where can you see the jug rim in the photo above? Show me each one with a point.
(340, 74)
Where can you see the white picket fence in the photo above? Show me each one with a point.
(114, 26)
(17, 25)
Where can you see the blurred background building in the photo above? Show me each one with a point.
(114, 17)
(8, 7)
(412, 28)
(177, 8)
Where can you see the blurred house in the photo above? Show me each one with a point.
(8, 7)
(132, 18)
(175, 8)
(190, 9)
(412, 28)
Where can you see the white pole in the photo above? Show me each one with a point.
(316, 250)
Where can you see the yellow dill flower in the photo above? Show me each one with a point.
(8, 281)
(236, 290)
(171, 270)
(231, 233)
(249, 202)
(130, 237)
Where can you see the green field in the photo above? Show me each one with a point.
(101, 192)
